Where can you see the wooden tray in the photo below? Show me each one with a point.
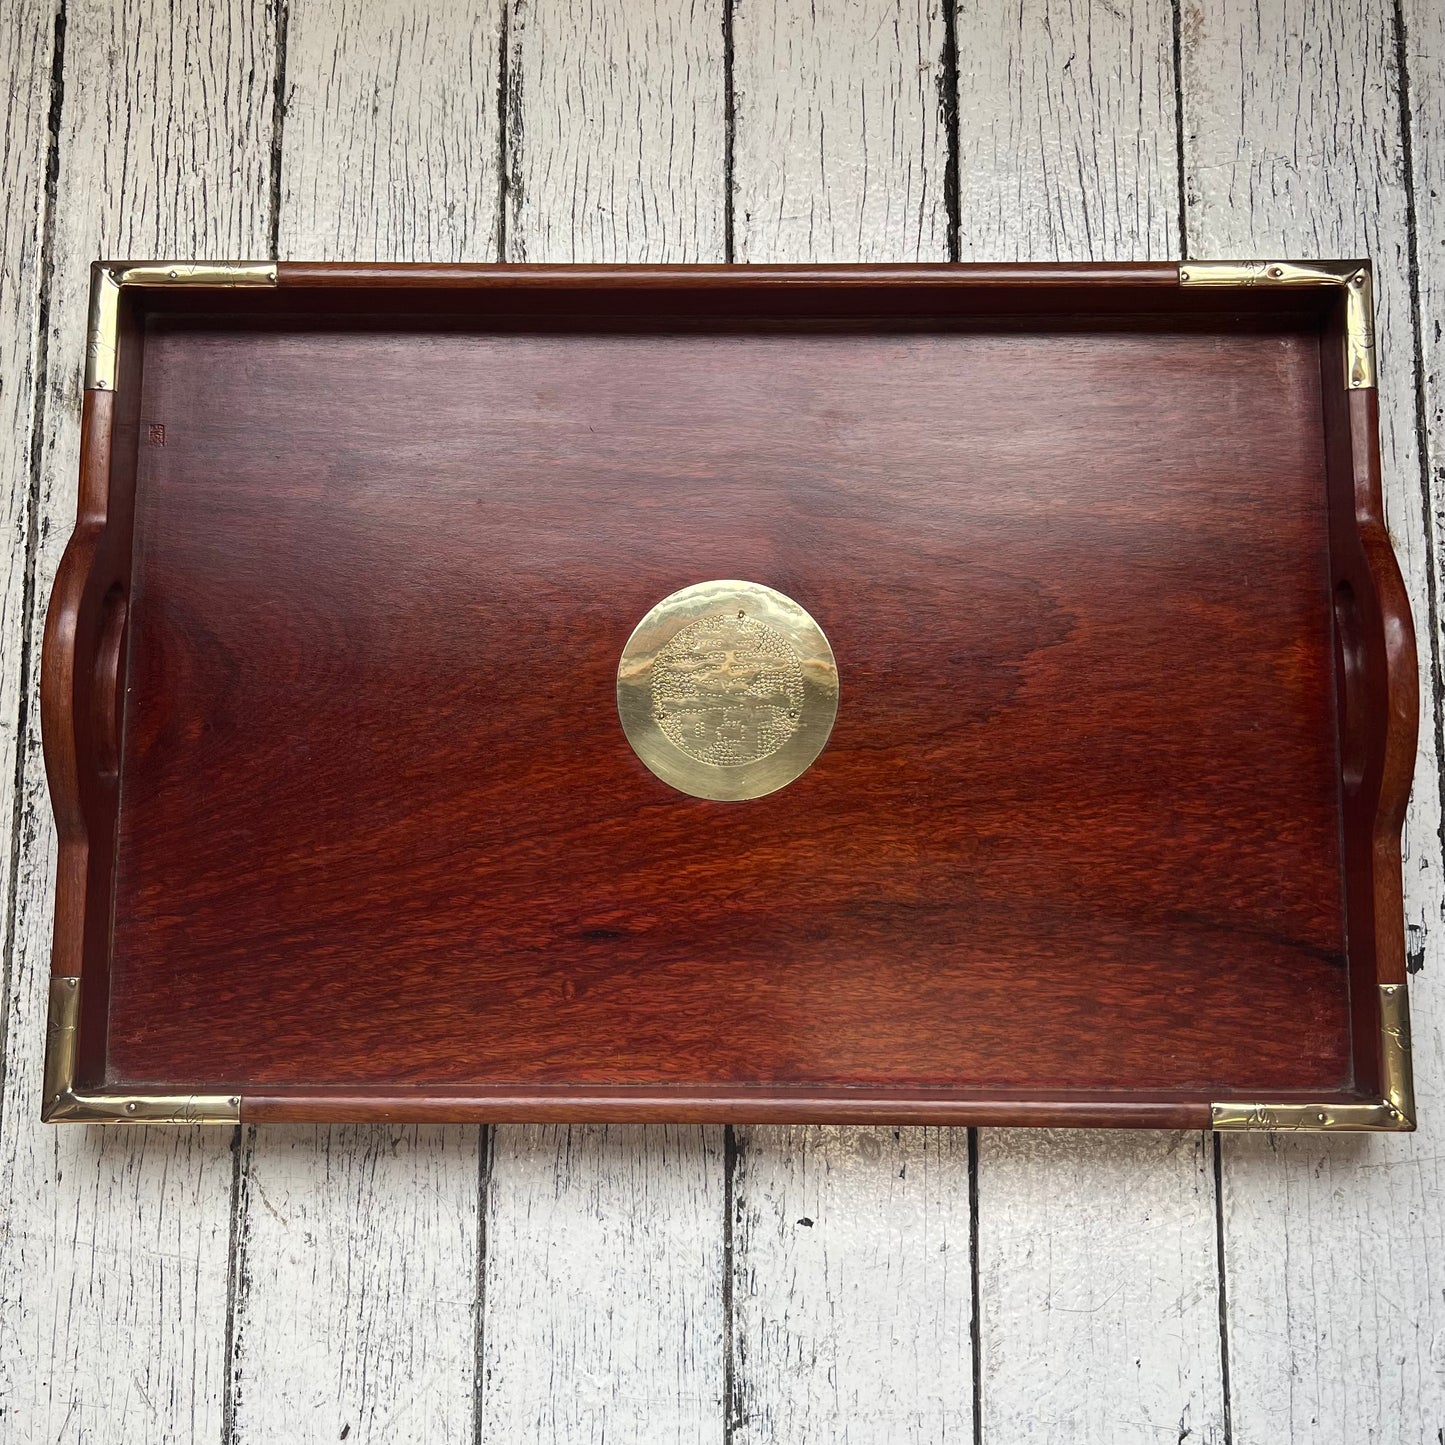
(1107, 831)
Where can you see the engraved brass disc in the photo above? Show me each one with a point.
(727, 690)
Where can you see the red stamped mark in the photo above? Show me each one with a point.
(157, 435)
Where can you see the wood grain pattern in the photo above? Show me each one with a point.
(1067, 152)
(852, 1268)
(120, 1236)
(1066, 131)
(391, 132)
(355, 1305)
(603, 1291)
(488, 962)
(1424, 50)
(822, 94)
(124, 1247)
(26, 60)
(602, 1315)
(839, 147)
(1098, 1315)
(615, 124)
(357, 1284)
(760, 1105)
(1319, 1233)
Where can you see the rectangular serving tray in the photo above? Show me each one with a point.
(1108, 828)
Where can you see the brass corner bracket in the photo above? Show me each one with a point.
(1353, 276)
(63, 1103)
(1395, 1113)
(103, 337)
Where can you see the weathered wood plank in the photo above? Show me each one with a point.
(356, 1285)
(603, 1288)
(355, 1298)
(1424, 49)
(840, 147)
(615, 131)
(391, 132)
(853, 1286)
(1294, 146)
(1067, 131)
(1098, 1305)
(855, 1324)
(27, 48)
(113, 1264)
(603, 1277)
(1098, 1250)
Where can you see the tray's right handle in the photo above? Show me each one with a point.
(1376, 691)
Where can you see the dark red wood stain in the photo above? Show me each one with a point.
(1078, 831)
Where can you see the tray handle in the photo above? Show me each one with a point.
(1378, 693)
(81, 693)
(1378, 710)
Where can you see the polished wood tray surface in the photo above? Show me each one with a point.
(1107, 829)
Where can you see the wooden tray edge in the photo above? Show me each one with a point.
(83, 660)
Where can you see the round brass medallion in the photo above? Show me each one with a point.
(727, 690)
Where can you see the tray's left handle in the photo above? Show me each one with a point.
(81, 653)
(81, 694)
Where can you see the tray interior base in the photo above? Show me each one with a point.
(1079, 820)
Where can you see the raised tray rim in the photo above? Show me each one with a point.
(80, 625)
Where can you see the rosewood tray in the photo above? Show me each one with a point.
(954, 694)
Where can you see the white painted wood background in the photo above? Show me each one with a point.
(689, 1284)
